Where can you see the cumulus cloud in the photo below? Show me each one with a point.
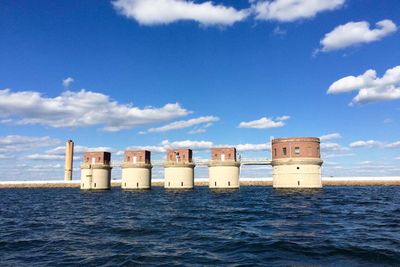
(367, 144)
(331, 136)
(253, 147)
(370, 88)
(18, 143)
(200, 146)
(60, 150)
(67, 82)
(265, 123)
(44, 157)
(206, 121)
(356, 33)
(157, 12)
(80, 109)
(291, 10)
(393, 145)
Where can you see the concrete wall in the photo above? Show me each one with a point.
(95, 177)
(136, 177)
(179, 177)
(224, 176)
(297, 176)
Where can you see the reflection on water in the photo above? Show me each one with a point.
(250, 226)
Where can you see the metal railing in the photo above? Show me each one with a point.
(203, 162)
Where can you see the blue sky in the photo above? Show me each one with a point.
(175, 73)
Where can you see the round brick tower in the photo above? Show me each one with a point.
(179, 169)
(136, 170)
(223, 168)
(296, 162)
(96, 171)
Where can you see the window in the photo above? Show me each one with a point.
(128, 158)
(140, 158)
(284, 152)
(229, 156)
(298, 168)
(275, 152)
(297, 151)
(229, 183)
(181, 183)
(94, 184)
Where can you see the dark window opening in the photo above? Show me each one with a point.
(298, 183)
(169, 183)
(215, 183)
(297, 150)
(284, 151)
(229, 183)
(94, 184)
(275, 152)
(298, 168)
(181, 183)
(137, 184)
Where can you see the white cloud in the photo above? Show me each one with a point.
(195, 145)
(355, 33)
(60, 150)
(207, 120)
(291, 10)
(44, 157)
(67, 82)
(253, 147)
(80, 109)
(331, 136)
(367, 144)
(393, 145)
(265, 123)
(18, 143)
(157, 12)
(370, 88)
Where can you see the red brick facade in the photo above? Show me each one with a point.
(137, 156)
(223, 153)
(97, 157)
(180, 155)
(296, 147)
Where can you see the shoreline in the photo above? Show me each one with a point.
(326, 181)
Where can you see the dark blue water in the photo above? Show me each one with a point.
(337, 226)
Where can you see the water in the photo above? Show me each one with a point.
(335, 226)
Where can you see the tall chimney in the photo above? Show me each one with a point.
(69, 156)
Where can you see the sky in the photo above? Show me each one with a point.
(159, 74)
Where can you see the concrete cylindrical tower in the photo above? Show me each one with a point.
(69, 158)
(96, 171)
(179, 169)
(136, 170)
(296, 162)
(223, 168)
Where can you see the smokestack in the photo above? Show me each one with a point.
(69, 156)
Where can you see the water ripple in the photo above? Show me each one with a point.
(253, 226)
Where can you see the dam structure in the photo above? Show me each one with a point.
(96, 171)
(223, 168)
(69, 159)
(179, 169)
(136, 170)
(296, 162)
